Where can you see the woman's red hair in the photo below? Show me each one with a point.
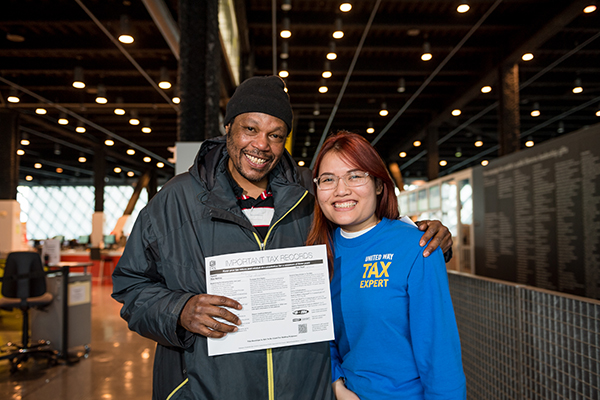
(358, 152)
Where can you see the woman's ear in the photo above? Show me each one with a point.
(378, 186)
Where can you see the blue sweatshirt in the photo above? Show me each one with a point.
(395, 330)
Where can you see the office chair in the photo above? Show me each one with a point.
(24, 287)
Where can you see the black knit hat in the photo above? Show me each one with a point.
(262, 94)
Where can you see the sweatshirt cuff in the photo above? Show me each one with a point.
(337, 373)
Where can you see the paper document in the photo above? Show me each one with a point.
(284, 295)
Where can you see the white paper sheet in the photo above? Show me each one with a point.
(284, 294)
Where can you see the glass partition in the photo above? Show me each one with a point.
(449, 200)
(67, 211)
(422, 202)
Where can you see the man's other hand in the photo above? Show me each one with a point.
(199, 312)
(441, 236)
(341, 392)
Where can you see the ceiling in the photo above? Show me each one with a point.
(382, 44)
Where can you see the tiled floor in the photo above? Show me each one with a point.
(119, 365)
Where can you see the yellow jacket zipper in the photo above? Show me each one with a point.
(262, 245)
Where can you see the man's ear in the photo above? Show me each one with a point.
(227, 128)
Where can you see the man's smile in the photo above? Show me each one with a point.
(256, 160)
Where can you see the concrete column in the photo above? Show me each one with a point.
(433, 156)
(509, 122)
(9, 161)
(11, 230)
(97, 236)
(199, 70)
(152, 184)
(99, 175)
(396, 175)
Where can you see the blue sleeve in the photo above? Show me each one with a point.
(336, 363)
(433, 330)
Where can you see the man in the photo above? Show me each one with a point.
(241, 194)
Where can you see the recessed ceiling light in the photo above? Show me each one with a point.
(527, 57)
(463, 8)
(345, 7)
(285, 32)
(126, 39)
(13, 37)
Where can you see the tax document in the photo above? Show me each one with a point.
(284, 295)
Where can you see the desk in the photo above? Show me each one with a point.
(44, 321)
(101, 268)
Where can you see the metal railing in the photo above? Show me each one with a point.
(521, 343)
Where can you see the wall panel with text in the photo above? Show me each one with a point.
(537, 215)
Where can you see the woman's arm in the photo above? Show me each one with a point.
(336, 363)
(433, 330)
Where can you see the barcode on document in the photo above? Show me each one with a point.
(302, 328)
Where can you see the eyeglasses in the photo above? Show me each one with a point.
(351, 179)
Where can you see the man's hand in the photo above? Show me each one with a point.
(441, 236)
(198, 315)
(342, 392)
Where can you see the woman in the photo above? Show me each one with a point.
(395, 330)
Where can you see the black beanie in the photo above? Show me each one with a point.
(263, 94)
